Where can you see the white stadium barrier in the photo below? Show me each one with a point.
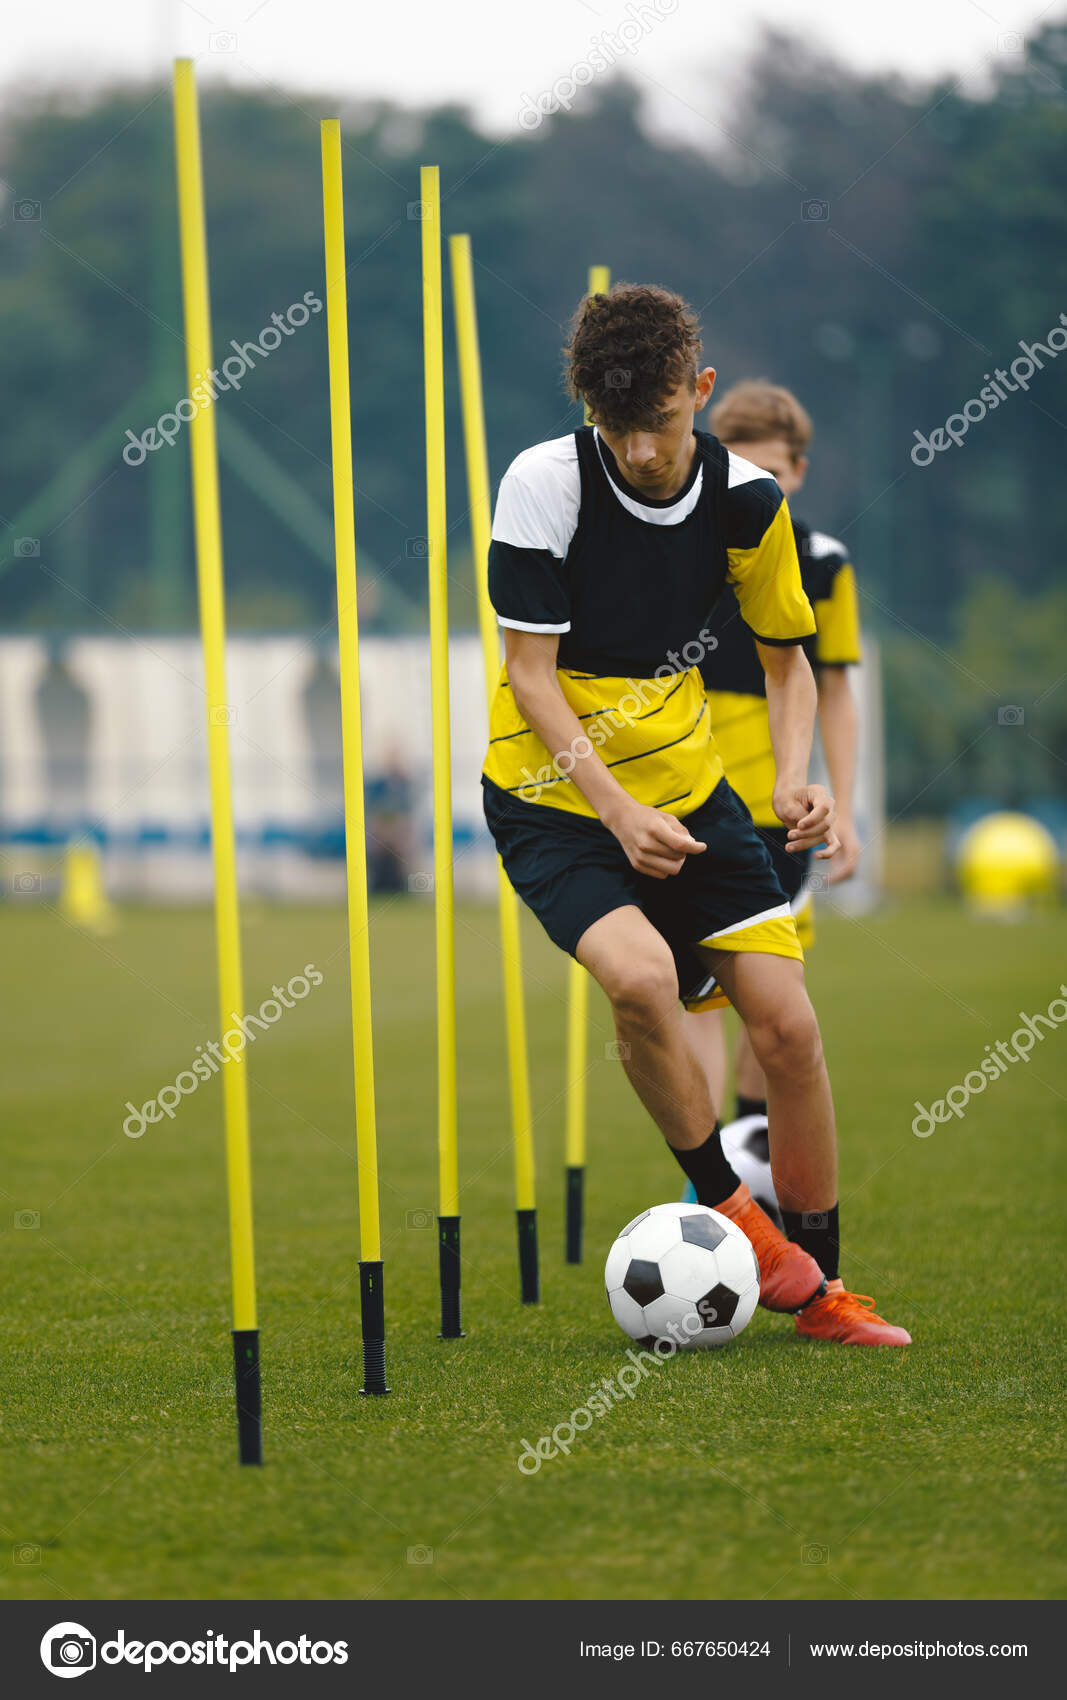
(104, 738)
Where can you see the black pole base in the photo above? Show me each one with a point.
(372, 1323)
(448, 1249)
(249, 1399)
(575, 1199)
(529, 1271)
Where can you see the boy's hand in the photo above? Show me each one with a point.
(848, 859)
(655, 843)
(808, 811)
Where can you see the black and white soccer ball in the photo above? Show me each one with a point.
(747, 1150)
(683, 1273)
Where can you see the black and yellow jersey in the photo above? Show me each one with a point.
(735, 681)
(628, 582)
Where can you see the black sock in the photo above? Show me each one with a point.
(712, 1177)
(817, 1233)
(750, 1106)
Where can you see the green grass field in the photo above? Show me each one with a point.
(774, 1468)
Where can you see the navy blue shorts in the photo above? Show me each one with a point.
(791, 868)
(571, 871)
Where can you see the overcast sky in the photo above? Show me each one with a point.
(497, 55)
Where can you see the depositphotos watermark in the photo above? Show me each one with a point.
(604, 1397)
(233, 368)
(211, 1057)
(997, 388)
(605, 49)
(1026, 1035)
(69, 1650)
(629, 708)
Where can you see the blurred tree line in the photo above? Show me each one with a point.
(878, 246)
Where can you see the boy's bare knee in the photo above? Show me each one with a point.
(787, 1041)
(642, 989)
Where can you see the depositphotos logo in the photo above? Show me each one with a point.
(68, 1649)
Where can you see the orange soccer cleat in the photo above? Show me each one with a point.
(788, 1277)
(849, 1318)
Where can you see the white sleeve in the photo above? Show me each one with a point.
(539, 497)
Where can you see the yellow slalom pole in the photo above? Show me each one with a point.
(575, 1114)
(205, 475)
(372, 1301)
(599, 280)
(444, 917)
(470, 380)
(578, 1022)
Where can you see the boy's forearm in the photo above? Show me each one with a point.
(839, 731)
(548, 714)
(791, 703)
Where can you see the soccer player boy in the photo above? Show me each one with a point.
(603, 788)
(768, 426)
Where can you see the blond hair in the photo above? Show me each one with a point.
(755, 411)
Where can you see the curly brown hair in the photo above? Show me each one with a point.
(627, 351)
(755, 411)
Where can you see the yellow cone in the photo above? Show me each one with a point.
(83, 899)
(1007, 861)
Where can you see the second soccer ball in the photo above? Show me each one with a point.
(747, 1150)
